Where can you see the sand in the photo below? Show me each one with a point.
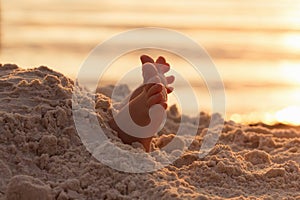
(43, 157)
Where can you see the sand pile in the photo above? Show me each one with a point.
(42, 156)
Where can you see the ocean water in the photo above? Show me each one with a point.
(255, 45)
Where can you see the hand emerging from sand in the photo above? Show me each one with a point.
(153, 91)
(154, 72)
(158, 68)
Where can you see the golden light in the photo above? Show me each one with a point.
(292, 41)
(290, 72)
(289, 115)
(236, 117)
(269, 118)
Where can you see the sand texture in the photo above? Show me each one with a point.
(42, 156)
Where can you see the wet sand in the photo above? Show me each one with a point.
(43, 157)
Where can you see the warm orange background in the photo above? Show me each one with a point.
(254, 44)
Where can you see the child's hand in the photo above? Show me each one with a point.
(162, 67)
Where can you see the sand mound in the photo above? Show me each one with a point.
(27, 187)
(42, 156)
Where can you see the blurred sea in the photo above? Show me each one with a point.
(255, 45)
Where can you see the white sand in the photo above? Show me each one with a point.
(42, 157)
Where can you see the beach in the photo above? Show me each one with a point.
(42, 156)
(255, 45)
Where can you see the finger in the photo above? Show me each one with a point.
(162, 68)
(157, 88)
(155, 79)
(149, 70)
(155, 99)
(145, 58)
(164, 105)
(160, 60)
(170, 79)
(147, 86)
(169, 89)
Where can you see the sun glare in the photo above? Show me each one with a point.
(289, 115)
(291, 72)
(292, 41)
